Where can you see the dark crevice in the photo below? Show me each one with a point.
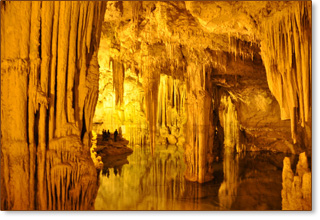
(74, 94)
(55, 206)
(35, 183)
(40, 35)
(27, 114)
(36, 140)
(55, 83)
(3, 4)
(55, 98)
(47, 127)
(36, 127)
(80, 199)
(83, 131)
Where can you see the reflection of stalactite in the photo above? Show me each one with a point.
(47, 102)
(146, 183)
(286, 53)
(229, 187)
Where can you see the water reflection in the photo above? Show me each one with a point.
(229, 187)
(142, 182)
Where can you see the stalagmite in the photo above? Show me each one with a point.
(296, 188)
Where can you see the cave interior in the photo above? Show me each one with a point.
(210, 80)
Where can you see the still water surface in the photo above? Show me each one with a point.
(251, 181)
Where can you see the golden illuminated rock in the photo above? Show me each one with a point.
(296, 189)
(49, 89)
(211, 47)
(207, 77)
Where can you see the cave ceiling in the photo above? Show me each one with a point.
(175, 33)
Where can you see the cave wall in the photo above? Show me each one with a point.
(232, 70)
(49, 89)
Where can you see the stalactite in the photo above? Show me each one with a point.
(240, 48)
(285, 50)
(42, 80)
(229, 121)
(136, 5)
(75, 10)
(63, 44)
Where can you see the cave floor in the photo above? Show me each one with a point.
(250, 181)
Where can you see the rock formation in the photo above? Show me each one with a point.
(211, 68)
(296, 188)
(211, 77)
(49, 89)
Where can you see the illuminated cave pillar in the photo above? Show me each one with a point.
(118, 80)
(49, 89)
(151, 80)
(199, 127)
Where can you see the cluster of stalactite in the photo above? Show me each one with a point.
(199, 126)
(241, 48)
(286, 53)
(49, 89)
(171, 110)
(296, 188)
(231, 126)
